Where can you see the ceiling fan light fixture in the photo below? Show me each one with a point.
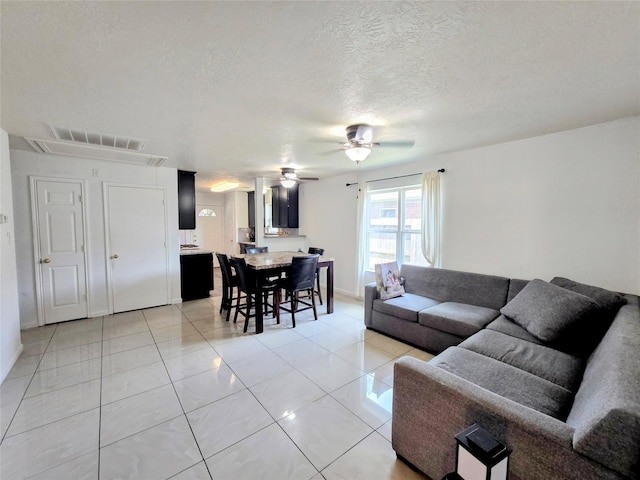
(288, 183)
(358, 154)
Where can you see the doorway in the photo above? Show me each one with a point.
(209, 228)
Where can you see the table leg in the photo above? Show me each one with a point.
(330, 287)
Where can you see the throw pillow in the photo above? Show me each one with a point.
(547, 311)
(388, 280)
(608, 300)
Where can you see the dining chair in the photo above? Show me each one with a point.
(230, 282)
(257, 250)
(317, 251)
(300, 278)
(247, 285)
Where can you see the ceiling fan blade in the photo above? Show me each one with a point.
(400, 144)
(324, 140)
(330, 152)
(308, 179)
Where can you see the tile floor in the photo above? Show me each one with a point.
(177, 392)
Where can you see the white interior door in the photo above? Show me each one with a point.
(136, 234)
(209, 229)
(60, 250)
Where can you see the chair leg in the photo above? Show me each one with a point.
(235, 317)
(229, 303)
(313, 303)
(294, 307)
(278, 297)
(246, 319)
(319, 291)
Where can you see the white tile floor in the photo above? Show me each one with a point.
(177, 392)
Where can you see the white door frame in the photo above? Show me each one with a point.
(33, 180)
(107, 241)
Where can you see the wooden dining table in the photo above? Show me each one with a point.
(270, 264)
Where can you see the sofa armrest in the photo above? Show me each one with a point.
(431, 405)
(370, 294)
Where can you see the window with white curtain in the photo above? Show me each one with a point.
(394, 217)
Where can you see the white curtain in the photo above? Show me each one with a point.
(431, 213)
(362, 237)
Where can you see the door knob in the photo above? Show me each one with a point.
(46, 260)
(115, 256)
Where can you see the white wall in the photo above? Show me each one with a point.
(565, 204)
(10, 343)
(25, 164)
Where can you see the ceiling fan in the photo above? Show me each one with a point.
(289, 177)
(360, 142)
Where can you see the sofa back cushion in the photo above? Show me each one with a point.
(606, 410)
(549, 312)
(608, 300)
(452, 286)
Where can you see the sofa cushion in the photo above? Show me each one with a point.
(453, 286)
(507, 381)
(457, 318)
(507, 326)
(544, 362)
(405, 307)
(515, 286)
(548, 311)
(608, 300)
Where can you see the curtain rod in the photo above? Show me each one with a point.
(442, 170)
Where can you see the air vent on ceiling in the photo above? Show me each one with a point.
(85, 150)
(94, 138)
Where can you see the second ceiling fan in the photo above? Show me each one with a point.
(289, 177)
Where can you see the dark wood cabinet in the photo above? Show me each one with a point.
(186, 200)
(196, 275)
(252, 209)
(284, 207)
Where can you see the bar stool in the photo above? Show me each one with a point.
(300, 278)
(247, 285)
(317, 251)
(230, 282)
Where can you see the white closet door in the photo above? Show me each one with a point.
(61, 257)
(136, 231)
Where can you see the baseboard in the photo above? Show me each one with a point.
(7, 368)
(176, 300)
(99, 313)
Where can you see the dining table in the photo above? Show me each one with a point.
(270, 264)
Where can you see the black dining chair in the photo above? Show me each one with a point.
(317, 251)
(300, 278)
(230, 282)
(247, 285)
(251, 250)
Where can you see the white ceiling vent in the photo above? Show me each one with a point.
(86, 150)
(94, 138)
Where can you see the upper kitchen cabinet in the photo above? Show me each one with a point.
(284, 207)
(186, 200)
(251, 209)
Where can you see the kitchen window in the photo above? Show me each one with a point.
(394, 219)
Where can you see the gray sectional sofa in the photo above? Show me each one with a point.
(551, 369)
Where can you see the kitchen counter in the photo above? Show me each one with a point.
(283, 236)
(194, 251)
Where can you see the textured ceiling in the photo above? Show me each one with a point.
(239, 89)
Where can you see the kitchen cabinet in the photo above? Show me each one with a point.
(186, 200)
(284, 207)
(251, 209)
(196, 275)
